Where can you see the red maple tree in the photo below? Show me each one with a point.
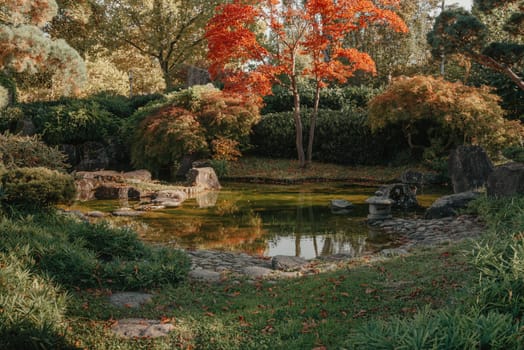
(255, 44)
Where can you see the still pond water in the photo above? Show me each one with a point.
(267, 220)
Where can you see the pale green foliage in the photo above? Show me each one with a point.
(4, 97)
(38, 13)
(171, 31)
(110, 70)
(25, 48)
(102, 75)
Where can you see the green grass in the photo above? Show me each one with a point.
(303, 313)
(431, 299)
(288, 170)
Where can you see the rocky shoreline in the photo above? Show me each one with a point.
(217, 266)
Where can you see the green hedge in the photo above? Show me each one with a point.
(334, 98)
(340, 137)
(74, 121)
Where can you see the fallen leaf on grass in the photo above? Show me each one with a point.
(361, 313)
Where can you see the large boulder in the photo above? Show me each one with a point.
(111, 191)
(449, 205)
(402, 195)
(469, 168)
(135, 176)
(506, 180)
(169, 198)
(203, 178)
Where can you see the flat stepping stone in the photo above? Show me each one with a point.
(394, 252)
(127, 212)
(141, 328)
(130, 299)
(205, 275)
(288, 263)
(257, 272)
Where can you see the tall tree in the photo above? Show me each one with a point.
(171, 31)
(255, 44)
(24, 47)
(459, 31)
(411, 51)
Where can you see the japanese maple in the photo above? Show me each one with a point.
(255, 44)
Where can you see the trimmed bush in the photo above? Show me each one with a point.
(29, 151)
(36, 187)
(335, 98)
(340, 137)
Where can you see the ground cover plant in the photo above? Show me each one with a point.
(429, 299)
(285, 170)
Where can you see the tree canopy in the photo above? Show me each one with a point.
(170, 31)
(464, 114)
(24, 47)
(459, 31)
(255, 45)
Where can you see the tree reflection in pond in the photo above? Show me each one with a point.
(266, 220)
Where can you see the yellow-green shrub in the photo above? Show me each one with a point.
(36, 187)
(443, 114)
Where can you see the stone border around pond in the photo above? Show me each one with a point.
(216, 266)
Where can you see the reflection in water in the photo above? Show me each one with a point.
(266, 220)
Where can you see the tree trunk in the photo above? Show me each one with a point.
(298, 123)
(164, 65)
(312, 126)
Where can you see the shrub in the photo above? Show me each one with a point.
(32, 307)
(29, 151)
(335, 98)
(36, 187)
(515, 153)
(499, 258)
(446, 114)
(78, 254)
(340, 137)
(70, 121)
(440, 330)
(199, 121)
(165, 137)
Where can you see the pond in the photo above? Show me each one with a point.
(266, 220)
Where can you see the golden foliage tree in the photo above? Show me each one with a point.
(465, 114)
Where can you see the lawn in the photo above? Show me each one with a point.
(321, 311)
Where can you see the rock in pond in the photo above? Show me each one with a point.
(127, 212)
(448, 205)
(203, 178)
(340, 206)
(469, 168)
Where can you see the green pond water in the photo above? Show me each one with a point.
(266, 220)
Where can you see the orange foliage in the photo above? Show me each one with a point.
(317, 28)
